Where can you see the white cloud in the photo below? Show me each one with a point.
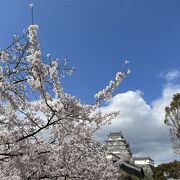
(142, 123)
(170, 75)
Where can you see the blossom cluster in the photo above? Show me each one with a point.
(4, 56)
(32, 35)
(106, 93)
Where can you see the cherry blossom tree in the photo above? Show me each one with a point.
(46, 133)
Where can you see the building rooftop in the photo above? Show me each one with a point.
(143, 158)
(115, 134)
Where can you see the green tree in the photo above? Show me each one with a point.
(171, 169)
(172, 119)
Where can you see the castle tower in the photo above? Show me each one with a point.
(117, 145)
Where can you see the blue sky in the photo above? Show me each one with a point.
(96, 36)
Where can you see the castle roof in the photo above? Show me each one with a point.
(115, 134)
(143, 158)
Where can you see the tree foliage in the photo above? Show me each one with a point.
(172, 119)
(170, 170)
(46, 133)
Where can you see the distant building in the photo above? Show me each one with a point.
(119, 149)
(117, 145)
(143, 161)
